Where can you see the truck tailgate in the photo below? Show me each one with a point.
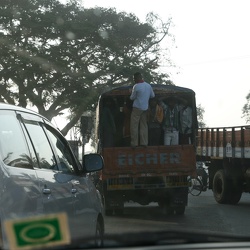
(154, 160)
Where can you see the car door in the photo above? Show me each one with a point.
(20, 194)
(83, 221)
(54, 185)
(86, 206)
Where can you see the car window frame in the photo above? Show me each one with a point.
(45, 125)
(56, 133)
(23, 137)
(24, 118)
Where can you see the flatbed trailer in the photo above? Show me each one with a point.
(226, 151)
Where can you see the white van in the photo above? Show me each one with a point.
(39, 174)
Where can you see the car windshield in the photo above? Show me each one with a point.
(134, 128)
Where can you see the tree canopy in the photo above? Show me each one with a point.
(246, 109)
(58, 57)
(200, 116)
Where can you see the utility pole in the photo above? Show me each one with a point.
(86, 127)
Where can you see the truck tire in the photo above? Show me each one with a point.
(235, 197)
(221, 187)
(119, 211)
(161, 204)
(180, 210)
(165, 207)
(108, 211)
(235, 193)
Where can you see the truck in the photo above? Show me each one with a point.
(226, 152)
(156, 173)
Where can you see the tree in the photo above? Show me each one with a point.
(58, 58)
(200, 113)
(246, 109)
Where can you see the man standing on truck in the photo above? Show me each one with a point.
(186, 122)
(140, 95)
(171, 121)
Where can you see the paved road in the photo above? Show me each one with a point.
(202, 213)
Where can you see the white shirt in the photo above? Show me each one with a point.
(141, 93)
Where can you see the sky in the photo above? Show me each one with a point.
(211, 50)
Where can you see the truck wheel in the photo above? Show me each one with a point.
(108, 211)
(180, 210)
(169, 210)
(119, 211)
(161, 204)
(235, 193)
(165, 207)
(235, 197)
(221, 187)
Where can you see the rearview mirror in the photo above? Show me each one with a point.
(92, 162)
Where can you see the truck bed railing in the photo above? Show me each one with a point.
(222, 142)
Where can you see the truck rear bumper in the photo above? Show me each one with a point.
(168, 196)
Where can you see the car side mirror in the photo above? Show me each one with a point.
(92, 162)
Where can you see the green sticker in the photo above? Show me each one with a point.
(49, 230)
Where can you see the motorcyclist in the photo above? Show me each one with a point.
(202, 172)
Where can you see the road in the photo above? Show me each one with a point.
(202, 213)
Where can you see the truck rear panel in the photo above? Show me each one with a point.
(150, 167)
(156, 173)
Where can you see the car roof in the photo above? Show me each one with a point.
(6, 106)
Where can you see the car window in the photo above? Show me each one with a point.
(13, 147)
(45, 155)
(66, 161)
(31, 148)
